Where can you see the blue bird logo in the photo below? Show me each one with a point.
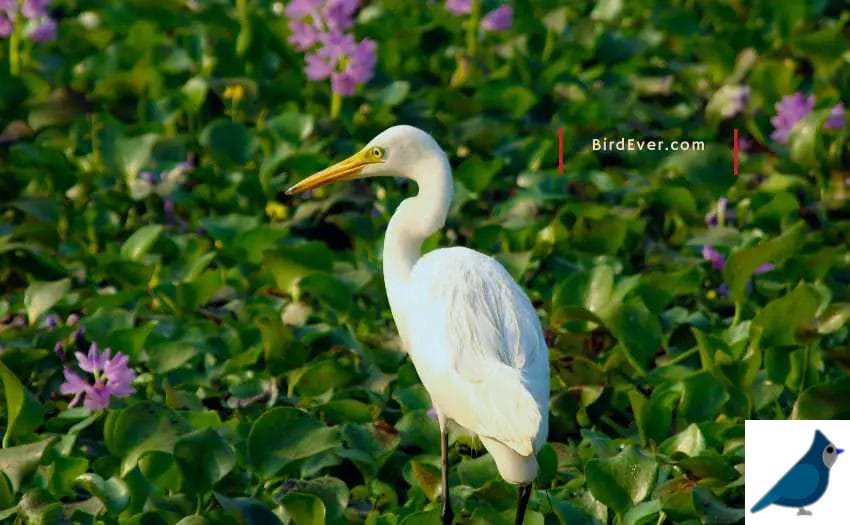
(806, 482)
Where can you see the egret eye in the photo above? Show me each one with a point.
(830, 449)
(377, 153)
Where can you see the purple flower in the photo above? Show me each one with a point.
(303, 36)
(432, 413)
(318, 28)
(835, 120)
(52, 321)
(5, 26)
(72, 319)
(339, 14)
(764, 268)
(717, 260)
(112, 377)
(459, 7)
(35, 8)
(80, 338)
(44, 32)
(720, 214)
(498, 19)
(59, 349)
(308, 19)
(790, 110)
(345, 61)
(723, 290)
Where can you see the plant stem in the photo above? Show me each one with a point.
(472, 27)
(737, 317)
(15, 48)
(336, 105)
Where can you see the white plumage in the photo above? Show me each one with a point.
(471, 332)
(478, 347)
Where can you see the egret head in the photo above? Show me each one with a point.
(394, 152)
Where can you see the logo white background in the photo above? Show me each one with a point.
(771, 448)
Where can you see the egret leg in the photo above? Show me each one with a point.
(446, 514)
(804, 512)
(524, 493)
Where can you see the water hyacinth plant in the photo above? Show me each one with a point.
(794, 108)
(319, 29)
(145, 152)
(29, 18)
(498, 19)
(112, 376)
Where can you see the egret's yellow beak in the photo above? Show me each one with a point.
(347, 169)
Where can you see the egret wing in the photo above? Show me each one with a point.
(495, 341)
(798, 483)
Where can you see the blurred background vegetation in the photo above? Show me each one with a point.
(144, 147)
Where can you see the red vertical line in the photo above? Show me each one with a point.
(560, 151)
(735, 151)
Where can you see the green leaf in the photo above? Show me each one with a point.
(38, 507)
(742, 263)
(170, 355)
(642, 513)
(138, 244)
(333, 492)
(289, 265)
(194, 93)
(160, 469)
(833, 318)
(305, 509)
(248, 511)
(194, 519)
(690, 441)
(804, 141)
(318, 377)
(784, 319)
(282, 350)
(41, 296)
(476, 173)
(17, 462)
(292, 127)
(477, 472)
(23, 411)
(204, 458)
(713, 510)
(703, 397)
(113, 492)
(145, 426)
(514, 99)
(825, 401)
(228, 141)
(425, 517)
(638, 329)
(427, 477)
(269, 450)
(131, 154)
(62, 472)
(622, 481)
(570, 514)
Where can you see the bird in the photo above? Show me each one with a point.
(470, 330)
(806, 481)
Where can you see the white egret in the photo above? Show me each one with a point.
(471, 332)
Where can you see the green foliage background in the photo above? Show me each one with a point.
(270, 387)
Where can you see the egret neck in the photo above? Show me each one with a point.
(415, 219)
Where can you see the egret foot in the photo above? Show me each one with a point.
(804, 512)
(446, 514)
(524, 493)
